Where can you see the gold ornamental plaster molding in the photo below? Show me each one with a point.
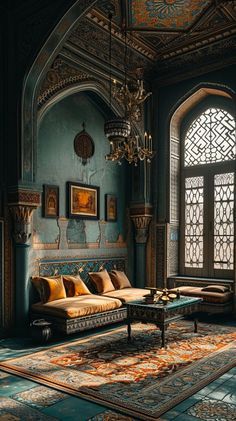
(139, 46)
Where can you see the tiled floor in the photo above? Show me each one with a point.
(22, 399)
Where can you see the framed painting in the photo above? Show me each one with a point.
(110, 207)
(83, 201)
(50, 201)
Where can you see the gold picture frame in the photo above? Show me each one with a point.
(83, 201)
(50, 201)
(110, 208)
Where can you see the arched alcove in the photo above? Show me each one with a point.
(193, 101)
(33, 81)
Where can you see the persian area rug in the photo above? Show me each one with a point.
(136, 378)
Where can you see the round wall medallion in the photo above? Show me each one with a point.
(84, 146)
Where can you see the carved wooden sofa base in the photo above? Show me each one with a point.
(79, 324)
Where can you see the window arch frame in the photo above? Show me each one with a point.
(208, 170)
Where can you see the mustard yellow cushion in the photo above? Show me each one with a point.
(126, 295)
(119, 279)
(49, 288)
(216, 288)
(102, 281)
(74, 286)
(72, 307)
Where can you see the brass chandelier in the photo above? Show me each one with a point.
(124, 143)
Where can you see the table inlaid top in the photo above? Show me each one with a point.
(180, 302)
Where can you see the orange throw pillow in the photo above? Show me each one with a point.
(119, 279)
(49, 288)
(74, 286)
(102, 281)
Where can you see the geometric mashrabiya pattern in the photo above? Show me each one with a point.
(210, 138)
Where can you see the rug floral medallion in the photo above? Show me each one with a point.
(137, 378)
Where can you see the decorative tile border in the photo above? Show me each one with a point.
(80, 266)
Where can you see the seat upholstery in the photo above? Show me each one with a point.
(79, 306)
(207, 296)
(127, 294)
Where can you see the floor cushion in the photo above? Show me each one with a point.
(208, 296)
(80, 306)
(127, 294)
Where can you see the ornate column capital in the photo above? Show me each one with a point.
(22, 203)
(141, 215)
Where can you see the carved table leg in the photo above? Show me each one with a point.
(129, 330)
(195, 325)
(163, 338)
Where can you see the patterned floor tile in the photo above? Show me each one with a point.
(111, 416)
(40, 397)
(213, 410)
(11, 410)
(219, 393)
(74, 409)
(10, 385)
(230, 398)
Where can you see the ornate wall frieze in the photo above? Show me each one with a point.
(60, 76)
(141, 209)
(24, 197)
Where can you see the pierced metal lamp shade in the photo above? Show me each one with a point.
(117, 129)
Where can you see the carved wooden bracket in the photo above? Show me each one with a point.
(141, 216)
(21, 204)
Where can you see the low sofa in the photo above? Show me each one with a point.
(68, 304)
(216, 298)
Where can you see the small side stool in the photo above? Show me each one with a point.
(41, 331)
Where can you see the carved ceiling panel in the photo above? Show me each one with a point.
(174, 30)
(164, 37)
(93, 38)
(165, 14)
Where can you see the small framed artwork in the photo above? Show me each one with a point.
(110, 207)
(83, 201)
(50, 201)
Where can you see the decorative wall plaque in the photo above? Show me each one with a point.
(84, 145)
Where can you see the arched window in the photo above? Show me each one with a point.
(208, 194)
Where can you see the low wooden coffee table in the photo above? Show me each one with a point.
(161, 315)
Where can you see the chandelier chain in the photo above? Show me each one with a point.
(124, 143)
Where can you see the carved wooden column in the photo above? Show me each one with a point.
(141, 215)
(21, 204)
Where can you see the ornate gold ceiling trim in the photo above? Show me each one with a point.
(100, 20)
(198, 43)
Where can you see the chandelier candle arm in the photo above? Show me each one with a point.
(150, 142)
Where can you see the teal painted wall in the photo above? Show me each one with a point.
(57, 163)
